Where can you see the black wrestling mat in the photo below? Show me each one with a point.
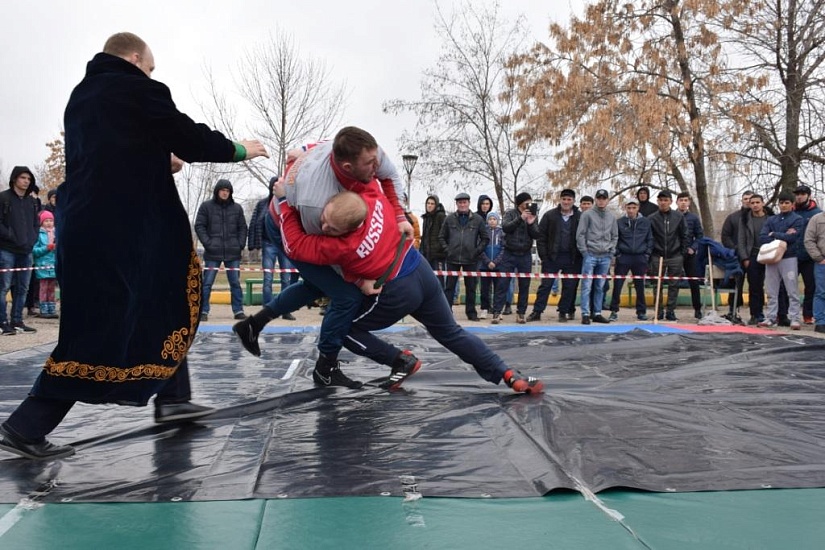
(660, 412)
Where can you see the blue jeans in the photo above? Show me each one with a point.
(234, 277)
(272, 249)
(594, 265)
(270, 254)
(819, 294)
(18, 281)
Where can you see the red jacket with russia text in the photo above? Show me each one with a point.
(365, 253)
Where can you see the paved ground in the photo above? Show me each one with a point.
(222, 315)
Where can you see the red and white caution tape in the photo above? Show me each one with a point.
(445, 272)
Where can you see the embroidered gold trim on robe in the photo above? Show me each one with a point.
(178, 343)
(97, 373)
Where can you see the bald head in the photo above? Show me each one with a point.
(343, 213)
(133, 49)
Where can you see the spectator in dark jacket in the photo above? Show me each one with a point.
(670, 243)
(19, 229)
(633, 251)
(265, 240)
(33, 294)
(51, 200)
(463, 236)
(484, 206)
(806, 207)
(730, 239)
(520, 230)
(646, 207)
(556, 247)
(695, 233)
(785, 226)
(431, 222)
(747, 248)
(221, 229)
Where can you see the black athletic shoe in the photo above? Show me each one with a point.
(600, 319)
(240, 315)
(8, 330)
(335, 378)
(288, 317)
(523, 384)
(670, 316)
(507, 310)
(585, 319)
(33, 451)
(535, 316)
(783, 321)
(404, 366)
(23, 327)
(248, 336)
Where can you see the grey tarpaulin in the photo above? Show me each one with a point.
(659, 412)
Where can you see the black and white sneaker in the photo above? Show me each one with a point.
(404, 366)
(248, 336)
(20, 326)
(335, 378)
(8, 330)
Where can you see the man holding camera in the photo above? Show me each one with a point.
(520, 230)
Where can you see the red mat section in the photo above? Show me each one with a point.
(726, 329)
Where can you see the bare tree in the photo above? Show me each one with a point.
(464, 125)
(290, 97)
(783, 41)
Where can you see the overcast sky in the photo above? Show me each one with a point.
(378, 47)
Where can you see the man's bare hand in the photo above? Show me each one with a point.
(293, 154)
(279, 189)
(177, 164)
(406, 229)
(254, 149)
(368, 287)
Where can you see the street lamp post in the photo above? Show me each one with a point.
(409, 166)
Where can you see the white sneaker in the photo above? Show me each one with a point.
(482, 314)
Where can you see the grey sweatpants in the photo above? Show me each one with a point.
(786, 270)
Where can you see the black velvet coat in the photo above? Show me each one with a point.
(129, 278)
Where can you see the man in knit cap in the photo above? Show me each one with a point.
(520, 230)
